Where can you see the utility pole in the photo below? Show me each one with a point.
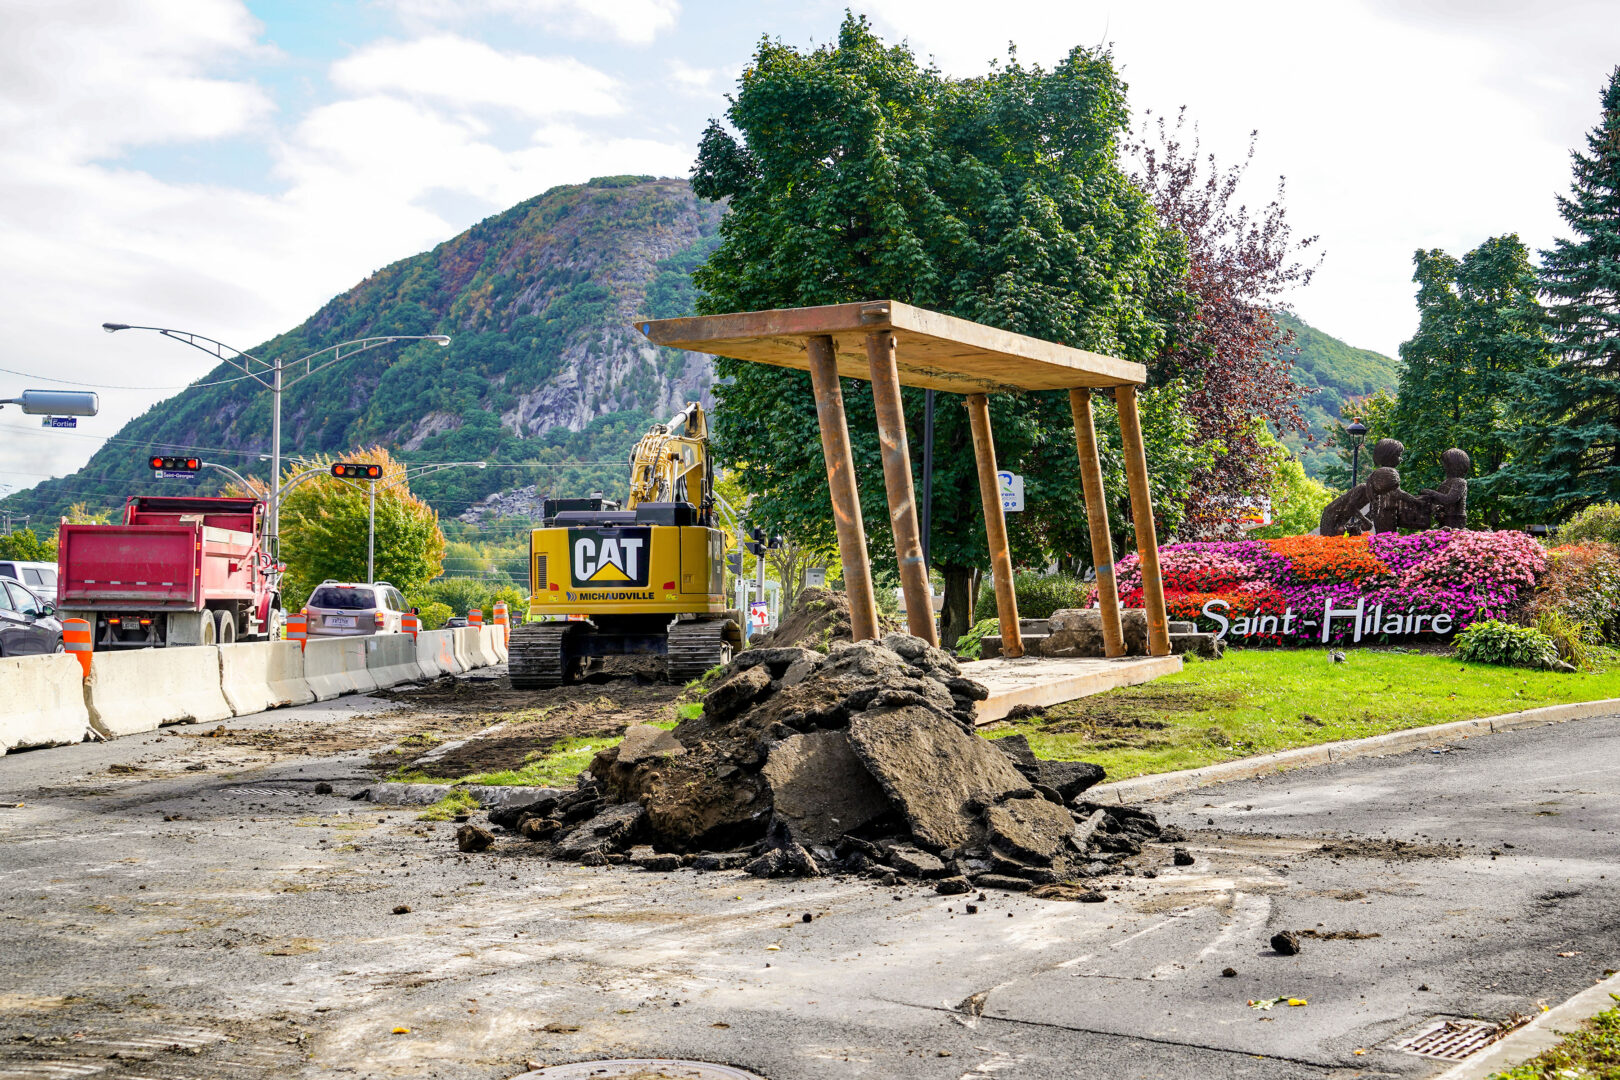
(371, 536)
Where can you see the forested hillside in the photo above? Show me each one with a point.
(544, 366)
(1338, 372)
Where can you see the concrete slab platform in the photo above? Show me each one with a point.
(1042, 681)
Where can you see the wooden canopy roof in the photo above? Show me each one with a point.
(934, 351)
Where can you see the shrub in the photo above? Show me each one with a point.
(969, 646)
(1598, 523)
(1582, 583)
(1039, 595)
(461, 594)
(433, 615)
(1492, 641)
(1572, 639)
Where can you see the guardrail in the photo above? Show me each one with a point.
(69, 697)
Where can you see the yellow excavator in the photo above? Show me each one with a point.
(648, 579)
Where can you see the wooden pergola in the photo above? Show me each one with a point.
(894, 345)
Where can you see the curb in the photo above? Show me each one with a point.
(1158, 786)
(489, 796)
(1539, 1034)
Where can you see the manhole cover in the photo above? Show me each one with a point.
(640, 1069)
(1453, 1040)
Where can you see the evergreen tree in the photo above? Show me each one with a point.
(1480, 334)
(1569, 448)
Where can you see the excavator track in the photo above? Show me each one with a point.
(538, 655)
(698, 645)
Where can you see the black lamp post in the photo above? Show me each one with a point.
(1358, 431)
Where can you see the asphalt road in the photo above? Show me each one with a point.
(171, 909)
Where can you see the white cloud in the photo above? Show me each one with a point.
(699, 82)
(132, 74)
(464, 73)
(636, 22)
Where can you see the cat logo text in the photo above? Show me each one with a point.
(605, 558)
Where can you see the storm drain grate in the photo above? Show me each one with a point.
(640, 1069)
(1453, 1040)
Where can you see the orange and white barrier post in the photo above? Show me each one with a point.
(411, 624)
(475, 617)
(76, 640)
(502, 621)
(298, 629)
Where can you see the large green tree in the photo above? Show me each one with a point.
(855, 173)
(1481, 331)
(1569, 447)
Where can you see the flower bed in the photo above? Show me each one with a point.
(1317, 589)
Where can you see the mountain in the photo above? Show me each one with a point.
(544, 366)
(544, 377)
(1338, 372)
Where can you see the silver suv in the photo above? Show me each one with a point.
(351, 609)
(40, 577)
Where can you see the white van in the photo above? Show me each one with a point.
(38, 576)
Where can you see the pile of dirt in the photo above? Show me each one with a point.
(819, 619)
(862, 759)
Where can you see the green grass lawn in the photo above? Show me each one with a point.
(1592, 1053)
(1255, 701)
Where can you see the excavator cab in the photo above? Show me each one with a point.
(646, 579)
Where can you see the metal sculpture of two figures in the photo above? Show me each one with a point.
(1380, 505)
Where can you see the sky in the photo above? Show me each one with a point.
(226, 166)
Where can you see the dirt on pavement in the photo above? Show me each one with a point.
(511, 726)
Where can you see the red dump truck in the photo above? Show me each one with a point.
(177, 571)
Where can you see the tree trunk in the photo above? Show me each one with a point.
(957, 618)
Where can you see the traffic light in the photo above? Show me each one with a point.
(734, 563)
(755, 545)
(349, 470)
(174, 464)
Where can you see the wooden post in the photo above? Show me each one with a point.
(1147, 544)
(1102, 543)
(891, 425)
(846, 500)
(995, 526)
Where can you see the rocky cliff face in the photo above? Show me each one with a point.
(544, 364)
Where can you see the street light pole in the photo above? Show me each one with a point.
(371, 536)
(1358, 431)
(243, 362)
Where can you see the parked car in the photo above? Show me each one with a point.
(455, 622)
(28, 624)
(353, 609)
(38, 577)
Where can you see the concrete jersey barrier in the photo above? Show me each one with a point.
(391, 659)
(260, 675)
(468, 654)
(44, 698)
(436, 653)
(136, 690)
(336, 666)
(495, 643)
